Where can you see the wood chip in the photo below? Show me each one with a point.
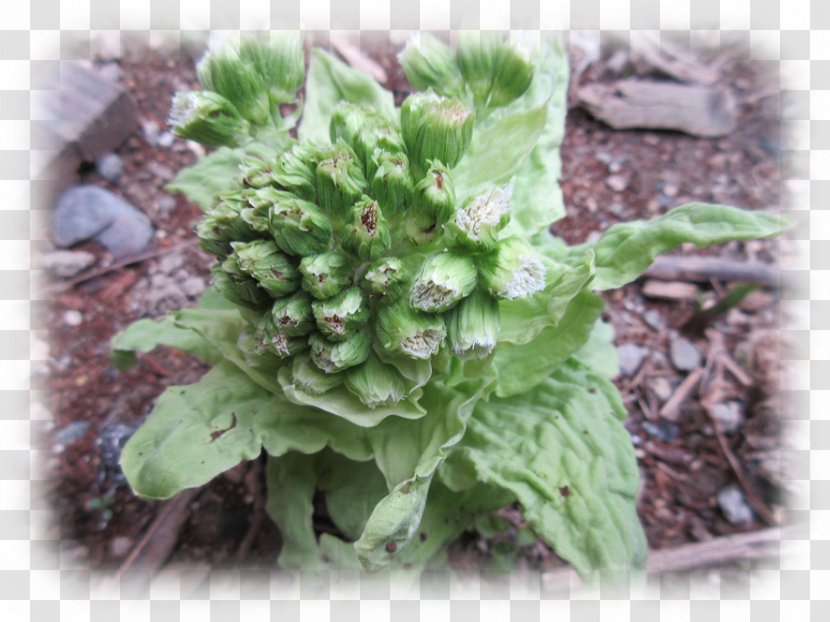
(629, 104)
(702, 269)
(669, 290)
(681, 394)
(357, 59)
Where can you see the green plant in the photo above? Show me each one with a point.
(391, 320)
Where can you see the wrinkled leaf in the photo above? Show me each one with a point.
(626, 250)
(210, 175)
(343, 403)
(146, 335)
(537, 198)
(521, 367)
(196, 432)
(331, 82)
(599, 352)
(562, 451)
(483, 166)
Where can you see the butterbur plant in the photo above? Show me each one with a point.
(390, 319)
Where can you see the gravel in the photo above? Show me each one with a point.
(110, 167)
(729, 415)
(66, 264)
(631, 356)
(734, 506)
(684, 355)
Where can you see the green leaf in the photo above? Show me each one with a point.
(146, 335)
(524, 318)
(343, 403)
(562, 451)
(497, 151)
(521, 367)
(331, 82)
(352, 491)
(291, 481)
(599, 352)
(626, 250)
(408, 454)
(537, 198)
(210, 175)
(194, 433)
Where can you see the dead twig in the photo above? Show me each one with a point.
(59, 288)
(702, 269)
(357, 59)
(255, 488)
(681, 394)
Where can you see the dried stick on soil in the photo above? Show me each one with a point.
(59, 288)
(681, 394)
(701, 269)
(762, 544)
(155, 547)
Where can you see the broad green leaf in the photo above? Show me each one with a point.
(521, 367)
(329, 83)
(291, 482)
(146, 335)
(497, 151)
(210, 175)
(537, 198)
(224, 330)
(599, 352)
(352, 491)
(626, 250)
(524, 318)
(563, 452)
(343, 403)
(408, 454)
(196, 432)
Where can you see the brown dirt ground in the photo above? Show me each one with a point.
(682, 465)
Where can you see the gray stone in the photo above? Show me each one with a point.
(166, 140)
(665, 431)
(151, 131)
(72, 433)
(90, 212)
(728, 415)
(684, 355)
(617, 183)
(120, 546)
(110, 167)
(73, 317)
(631, 356)
(166, 204)
(734, 506)
(653, 319)
(66, 264)
(193, 286)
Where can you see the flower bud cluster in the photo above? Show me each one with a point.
(354, 256)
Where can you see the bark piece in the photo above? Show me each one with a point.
(628, 104)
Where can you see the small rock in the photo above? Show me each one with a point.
(120, 546)
(193, 286)
(734, 506)
(170, 263)
(166, 204)
(631, 356)
(684, 355)
(166, 140)
(71, 433)
(670, 190)
(66, 264)
(756, 301)
(110, 167)
(110, 71)
(729, 415)
(73, 317)
(665, 431)
(617, 183)
(159, 170)
(662, 388)
(653, 319)
(151, 132)
(90, 212)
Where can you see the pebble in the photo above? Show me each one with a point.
(73, 317)
(684, 355)
(617, 183)
(120, 546)
(728, 415)
(166, 204)
(653, 319)
(193, 286)
(665, 431)
(71, 433)
(89, 212)
(734, 506)
(166, 140)
(630, 356)
(165, 173)
(151, 132)
(66, 264)
(110, 167)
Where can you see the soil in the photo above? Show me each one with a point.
(608, 177)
